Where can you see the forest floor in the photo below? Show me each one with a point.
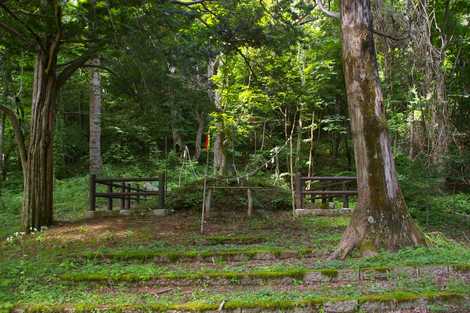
(269, 262)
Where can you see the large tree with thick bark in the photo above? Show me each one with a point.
(41, 31)
(381, 219)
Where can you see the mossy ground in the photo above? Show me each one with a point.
(64, 264)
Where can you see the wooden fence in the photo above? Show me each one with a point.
(325, 188)
(123, 189)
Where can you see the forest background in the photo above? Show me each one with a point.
(264, 79)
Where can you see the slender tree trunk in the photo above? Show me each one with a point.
(200, 118)
(177, 140)
(417, 134)
(381, 218)
(298, 147)
(96, 162)
(2, 153)
(214, 95)
(263, 136)
(310, 151)
(430, 58)
(440, 120)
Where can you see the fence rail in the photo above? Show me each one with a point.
(127, 192)
(325, 190)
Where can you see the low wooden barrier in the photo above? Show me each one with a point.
(249, 191)
(325, 188)
(127, 191)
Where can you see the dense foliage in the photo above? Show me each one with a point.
(279, 83)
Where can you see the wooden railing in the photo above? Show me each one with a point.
(325, 188)
(127, 191)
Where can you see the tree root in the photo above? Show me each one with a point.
(351, 238)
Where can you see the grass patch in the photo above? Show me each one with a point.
(270, 301)
(297, 273)
(406, 296)
(234, 239)
(173, 256)
(461, 267)
(331, 273)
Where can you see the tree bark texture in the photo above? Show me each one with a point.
(175, 134)
(200, 118)
(381, 218)
(2, 154)
(39, 180)
(214, 95)
(96, 162)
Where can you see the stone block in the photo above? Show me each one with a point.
(341, 307)
(377, 307)
(265, 256)
(323, 212)
(312, 278)
(348, 275)
(160, 212)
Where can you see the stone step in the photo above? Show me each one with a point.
(230, 254)
(405, 302)
(289, 276)
(323, 212)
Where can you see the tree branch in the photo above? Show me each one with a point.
(326, 11)
(188, 3)
(73, 66)
(10, 29)
(19, 137)
(376, 32)
(102, 67)
(247, 62)
(16, 18)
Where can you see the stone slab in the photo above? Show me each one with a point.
(160, 212)
(323, 212)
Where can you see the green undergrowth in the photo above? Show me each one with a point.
(234, 239)
(146, 272)
(175, 255)
(188, 196)
(440, 251)
(263, 300)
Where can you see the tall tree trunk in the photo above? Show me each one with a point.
(298, 147)
(439, 120)
(176, 136)
(430, 58)
(2, 153)
(96, 162)
(214, 95)
(417, 134)
(39, 179)
(310, 150)
(200, 118)
(381, 218)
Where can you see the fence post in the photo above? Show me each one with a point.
(128, 197)
(299, 199)
(123, 199)
(250, 202)
(161, 187)
(345, 197)
(207, 207)
(92, 193)
(110, 198)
